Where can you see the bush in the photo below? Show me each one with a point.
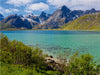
(15, 52)
(82, 65)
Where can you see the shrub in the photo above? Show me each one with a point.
(15, 52)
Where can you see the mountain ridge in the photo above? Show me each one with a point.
(64, 15)
(60, 17)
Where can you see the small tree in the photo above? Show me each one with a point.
(82, 65)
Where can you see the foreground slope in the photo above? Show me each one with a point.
(87, 22)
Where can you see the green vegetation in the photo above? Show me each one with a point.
(83, 65)
(5, 26)
(87, 22)
(7, 69)
(17, 58)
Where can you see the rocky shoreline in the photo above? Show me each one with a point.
(55, 64)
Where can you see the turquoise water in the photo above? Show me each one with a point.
(58, 42)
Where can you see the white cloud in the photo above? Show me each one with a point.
(1, 12)
(1, 8)
(10, 10)
(76, 4)
(19, 3)
(38, 6)
(57, 3)
(28, 11)
(16, 10)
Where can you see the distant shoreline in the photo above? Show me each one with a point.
(44, 30)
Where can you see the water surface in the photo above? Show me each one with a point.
(57, 42)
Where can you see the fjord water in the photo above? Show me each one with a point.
(58, 42)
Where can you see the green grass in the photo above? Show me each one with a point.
(87, 22)
(6, 69)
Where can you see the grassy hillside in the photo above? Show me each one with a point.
(87, 22)
(5, 26)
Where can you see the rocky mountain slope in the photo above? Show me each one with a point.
(64, 15)
(86, 22)
(1, 17)
(25, 22)
(15, 21)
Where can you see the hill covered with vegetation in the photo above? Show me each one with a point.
(17, 58)
(87, 22)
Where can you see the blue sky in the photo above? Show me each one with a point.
(23, 7)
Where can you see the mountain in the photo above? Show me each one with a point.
(60, 17)
(57, 18)
(26, 22)
(15, 21)
(38, 18)
(90, 11)
(44, 16)
(64, 15)
(1, 17)
(32, 17)
(86, 22)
